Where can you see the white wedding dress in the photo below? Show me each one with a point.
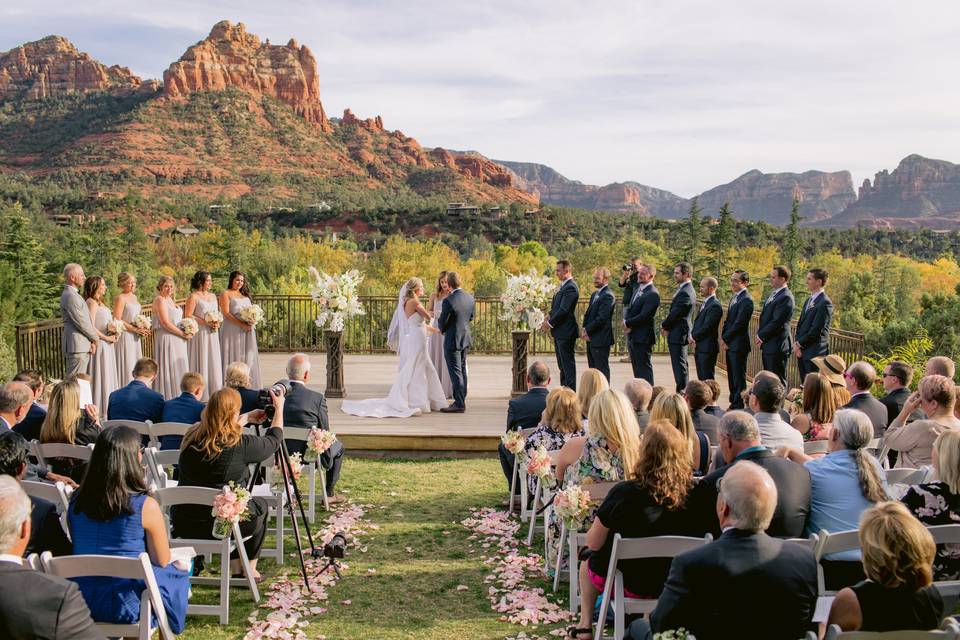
(417, 388)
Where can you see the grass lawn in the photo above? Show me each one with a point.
(410, 594)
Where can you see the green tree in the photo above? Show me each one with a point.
(692, 244)
(721, 243)
(792, 245)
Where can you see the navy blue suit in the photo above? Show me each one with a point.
(248, 399)
(454, 323)
(563, 328)
(774, 331)
(706, 334)
(136, 401)
(813, 332)
(677, 325)
(29, 427)
(523, 412)
(184, 409)
(598, 323)
(639, 318)
(736, 335)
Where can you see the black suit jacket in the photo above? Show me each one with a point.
(29, 427)
(563, 311)
(706, 327)
(46, 532)
(875, 410)
(736, 327)
(39, 605)
(598, 319)
(305, 408)
(777, 578)
(640, 316)
(708, 424)
(893, 401)
(454, 321)
(813, 328)
(680, 316)
(524, 412)
(248, 399)
(774, 326)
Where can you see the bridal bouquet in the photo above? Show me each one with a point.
(141, 322)
(513, 442)
(229, 506)
(540, 466)
(524, 299)
(251, 314)
(116, 327)
(318, 441)
(337, 298)
(214, 319)
(572, 505)
(189, 327)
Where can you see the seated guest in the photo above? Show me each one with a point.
(29, 426)
(897, 594)
(698, 394)
(655, 392)
(34, 604)
(940, 366)
(860, 378)
(304, 407)
(781, 411)
(216, 451)
(834, 367)
(766, 396)
(651, 504)
(934, 503)
(15, 399)
(707, 586)
(638, 393)
(68, 423)
(592, 382)
(237, 377)
(524, 412)
(843, 484)
(561, 421)
(896, 378)
(112, 514)
(673, 408)
(936, 396)
(185, 408)
(138, 401)
(740, 440)
(713, 407)
(46, 532)
(819, 405)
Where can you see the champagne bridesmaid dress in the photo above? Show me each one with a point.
(238, 345)
(103, 364)
(204, 349)
(170, 352)
(128, 347)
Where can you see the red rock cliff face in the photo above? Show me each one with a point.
(54, 67)
(231, 57)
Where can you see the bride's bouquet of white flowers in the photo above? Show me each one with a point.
(524, 299)
(337, 298)
(252, 314)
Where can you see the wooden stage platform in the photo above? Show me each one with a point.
(477, 430)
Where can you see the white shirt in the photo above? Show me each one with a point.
(640, 290)
(813, 297)
(707, 299)
(9, 557)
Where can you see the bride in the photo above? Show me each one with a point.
(417, 387)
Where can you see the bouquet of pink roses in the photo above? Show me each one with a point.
(228, 507)
(572, 505)
(318, 441)
(540, 465)
(513, 441)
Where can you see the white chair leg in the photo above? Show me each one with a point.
(533, 514)
(245, 563)
(312, 495)
(323, 486)
(574, 574)
(280, 503)
(619, 628)
(560, 542)
(513, 481)
(524, 496)
(225, 576)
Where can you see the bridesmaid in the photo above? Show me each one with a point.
(434, 306)
(204, 348)
(238, 340)
(126, 307)
(169, 341)
(103, 364)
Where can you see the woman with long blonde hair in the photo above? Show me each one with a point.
(169, 340)
(819, 405)
(673, 408)
(591, 383)
(69, 423)
(561, 422)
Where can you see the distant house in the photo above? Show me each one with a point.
(531, 212)
(494, 213)
(319, 206)
(186, 230)
(461, 209)
(219, 207)
(66, 219)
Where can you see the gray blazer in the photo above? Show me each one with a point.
(78, 329)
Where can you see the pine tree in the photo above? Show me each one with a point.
(29, 286)
(790, 253)
(721, 243)
(694, 235)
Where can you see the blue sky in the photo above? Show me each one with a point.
(679, 95)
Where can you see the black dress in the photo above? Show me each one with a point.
(898, 609)
(85, 432)
(196, 470)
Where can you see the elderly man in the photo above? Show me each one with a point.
(29, 426)
(305, 408)
(860, 378)
(34, 604)
(524, 412)
(639, 393)
(940, 366)
(766, 397)
(15, 400)
(707, 587)
(80, 337)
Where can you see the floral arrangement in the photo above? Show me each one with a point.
(296, 467)
(513, 441)
(189, 327)
(337, 298)
(318, 441)
(141, 322)
(214, 319)
(116, 327)
(524, 299)
(229, 506)
(572, 505)
(540, 465)
(251, 314)
(673, 634)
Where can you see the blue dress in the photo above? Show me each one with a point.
(117, 600)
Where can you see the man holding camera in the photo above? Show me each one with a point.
(629, 283)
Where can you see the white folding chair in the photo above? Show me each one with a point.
(947, 534)
(203, 496)
(830, 543)
(884, 456)
(151, 604)
(947, 631)
(632, 549)
(161, 429)
(903, 475)
(713, 457)
(810, 543)
(313, 469)
(541, 492)
(812, 447)
(597, 491)
(157, 462)
(33, 561)
(519, 475)
(276, 501)
(60, 450)
(143, 428)
(875, 446)
(58, 494)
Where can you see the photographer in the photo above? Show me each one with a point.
(214, 452)
(629, 282)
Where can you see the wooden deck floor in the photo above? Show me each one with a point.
(479, 429)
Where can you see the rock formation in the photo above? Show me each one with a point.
(231, 57)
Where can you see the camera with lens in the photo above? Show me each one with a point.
(336, 548)
(265, 400)
(628, 267)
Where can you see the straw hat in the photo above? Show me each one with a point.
(832, 366)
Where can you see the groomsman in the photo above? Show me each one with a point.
(773, 331)
(676, 326)
(79, 339)
(638, 321)
(598, 323)
(562, 323)
(705, 333)
(735, 337)
(813, 328)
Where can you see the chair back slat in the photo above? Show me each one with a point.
(62, 450)
(810, 543)
(836, 542)
(598, 490)
(816, 446)
(655, 547)
(143, 428)
(172, 496)
(945, 533)
(94, 565)
(904, 475)
(161, 429)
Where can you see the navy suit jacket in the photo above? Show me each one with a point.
(563, 311)
(184, 408)
(736, 327)
(29, 427)
(136, 401)
(680, 316)
(46, 532)
(454, 321)
(774, 327)
(248, 399)
(813, 328)
(524, 412)
(598, 320)
(640, 316)
(706, 327)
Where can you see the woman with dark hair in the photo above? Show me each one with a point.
(436, 339)
(169, 340)
(238, 340)
(103, 364)
(204, 348)
(213, 453)
(113, 514)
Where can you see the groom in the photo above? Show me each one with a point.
(454, 324)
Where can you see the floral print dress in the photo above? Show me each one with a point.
(933, 504)
(550, 440)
